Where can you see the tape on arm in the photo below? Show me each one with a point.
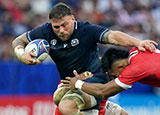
(19, 51)
(79, 84)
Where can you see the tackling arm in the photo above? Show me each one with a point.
(102, 90)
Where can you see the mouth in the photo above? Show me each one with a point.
(63, 37)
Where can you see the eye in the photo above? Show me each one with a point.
(56, 27)
(63, 25)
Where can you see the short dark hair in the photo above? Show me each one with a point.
(112, 55)
(60, 10)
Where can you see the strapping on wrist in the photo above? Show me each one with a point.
(19, 51)
(79, 84)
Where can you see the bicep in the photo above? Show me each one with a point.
(107, 37)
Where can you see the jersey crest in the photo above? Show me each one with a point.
(74, 42)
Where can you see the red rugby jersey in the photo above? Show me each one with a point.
(144, 67)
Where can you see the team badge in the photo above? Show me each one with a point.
(74, 42)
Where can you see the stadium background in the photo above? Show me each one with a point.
(27, 90)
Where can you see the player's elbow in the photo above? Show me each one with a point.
(14, 42)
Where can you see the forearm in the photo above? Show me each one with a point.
(123, 39)
(102, 90)
(18, 45)
(93, 89)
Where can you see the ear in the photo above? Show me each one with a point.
(73, 18)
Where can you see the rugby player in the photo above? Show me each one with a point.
(125, 69)
(73, 42)
(87, 104)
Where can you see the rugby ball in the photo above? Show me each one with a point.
(40, 47)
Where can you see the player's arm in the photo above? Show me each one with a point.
(100, 90)
(18, 45)
(123, 39)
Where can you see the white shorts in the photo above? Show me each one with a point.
(91, 112)
(112, 108)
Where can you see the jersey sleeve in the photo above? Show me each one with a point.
(39, 32)
(96, 32)
(123, 85)
(129, 76)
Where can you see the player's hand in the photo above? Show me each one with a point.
(69, 83)
(85, 75)
(29, 58)
(147, 44)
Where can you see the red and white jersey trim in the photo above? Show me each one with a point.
(132, 54)
(124, 86)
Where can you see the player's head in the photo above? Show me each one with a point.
(114, 61)
(62, 20)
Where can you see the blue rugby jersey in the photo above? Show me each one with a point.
(79, 53)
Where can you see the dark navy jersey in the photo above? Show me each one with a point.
(79, 53)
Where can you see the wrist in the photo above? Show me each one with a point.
(79, 84)
(19, 51)
(137, 43)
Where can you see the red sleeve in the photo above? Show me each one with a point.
(129, 75)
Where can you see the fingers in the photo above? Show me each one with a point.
(33, 54)
(75, 73)
(153, 42)
(67, 86)
(148, 44)
(151, 45)
(68, 78)
(34, 61)
(38, 61)
(65, 81)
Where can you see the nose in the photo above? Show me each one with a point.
(61, 30)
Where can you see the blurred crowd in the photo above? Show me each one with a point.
(139, 18)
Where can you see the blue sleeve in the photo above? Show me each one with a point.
(95, 32)
(39, 32)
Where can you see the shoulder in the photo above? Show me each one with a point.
(133, 50)
(42, 31)
(45, 27)
(88, 26)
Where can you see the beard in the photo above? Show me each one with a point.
(64, 37)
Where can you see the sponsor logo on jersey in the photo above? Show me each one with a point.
(65, 45)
